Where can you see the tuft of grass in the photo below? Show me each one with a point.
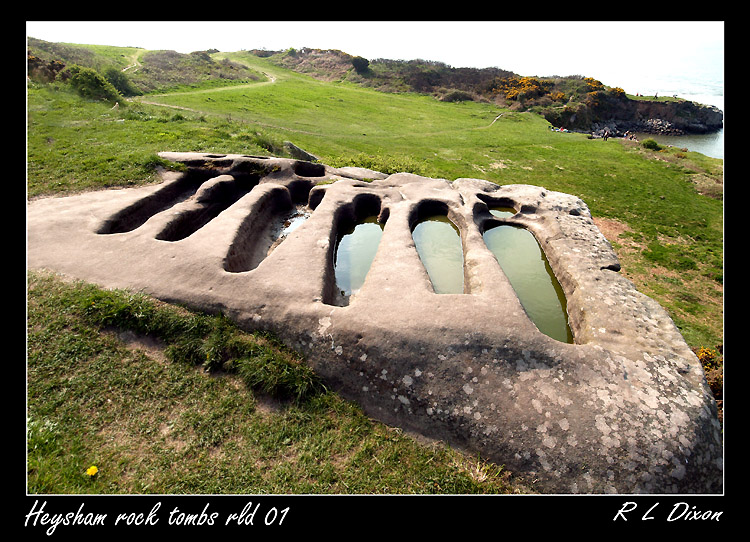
(212, 342)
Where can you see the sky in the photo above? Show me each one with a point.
(611, 51)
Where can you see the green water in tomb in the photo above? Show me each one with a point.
(524, 263)
(438, 243)
(355, 250)
(502, 212)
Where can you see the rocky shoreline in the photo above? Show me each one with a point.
(623, 128)
(621, 117)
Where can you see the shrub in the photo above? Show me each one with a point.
(41, 70)
(592, 84)
(457, 96)
(121, 82)
(713, 367)
(708, 357)
(361, 65)
(557, 96)
(90, 84)
(521, 88)
(651, 144)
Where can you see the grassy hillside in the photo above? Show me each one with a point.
(662, 209)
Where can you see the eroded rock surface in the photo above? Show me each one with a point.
(625, 409)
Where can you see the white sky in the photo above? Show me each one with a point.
(600, 49)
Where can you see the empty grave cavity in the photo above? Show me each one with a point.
(308, 169)
(212, 198)
(524, 263)
(359, 228)
(136, 214)
(438, 243)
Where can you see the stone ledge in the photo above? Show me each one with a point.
(625, 409)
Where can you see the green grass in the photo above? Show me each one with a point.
(191, 415)
(98, 57)
(76, 145)
(456, 140)
(144, 420)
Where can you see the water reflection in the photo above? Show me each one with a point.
(294, 221)
(438, 243)
(531, 276)
(355, 250)
(502, 212)
(709, 144)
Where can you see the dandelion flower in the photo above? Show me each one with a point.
(92, 470)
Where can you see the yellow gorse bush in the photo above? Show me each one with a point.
(516, 88)
(707, 357)
(557, 96)
(593, 84)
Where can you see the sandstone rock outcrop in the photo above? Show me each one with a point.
(624, 409)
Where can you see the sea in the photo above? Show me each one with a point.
(704, 87)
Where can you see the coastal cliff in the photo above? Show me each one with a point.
(618, 114)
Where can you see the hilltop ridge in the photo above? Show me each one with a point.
(576, 102)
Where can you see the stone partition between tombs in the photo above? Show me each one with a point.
(623, 408)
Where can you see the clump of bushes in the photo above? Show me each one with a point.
(41, 70)
(713, 367)
(121, 82)
(651, 144)
(593, 85)
(521, 88)
(457, 96)
(361, 65)
(709, 358)
(90, 84)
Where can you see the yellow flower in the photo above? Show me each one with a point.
(92, 470)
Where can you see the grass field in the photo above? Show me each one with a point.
(94, 399)
(113, 383)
